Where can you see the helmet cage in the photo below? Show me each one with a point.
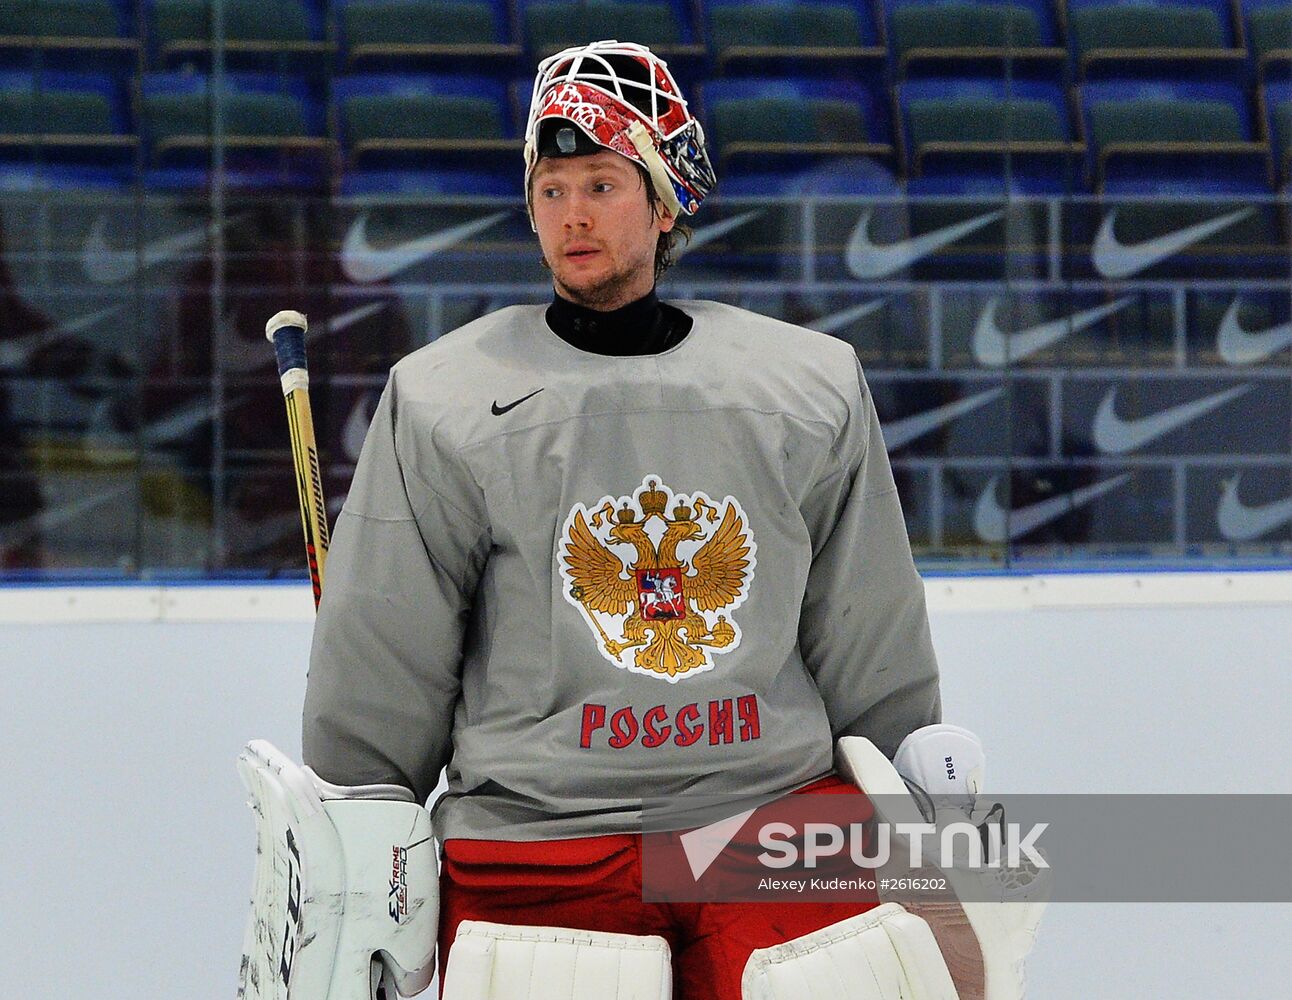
(583, 85)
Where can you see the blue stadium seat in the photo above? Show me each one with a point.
(1142, 136)
(257, 35)
(419, 34)
(973, 136)
(1276, 104)
(1014, 38)
(436, 134)
(782, 125)
(795, 37)
(273, 130)
(1155, 39)
(84, 35)
(65, 119)
(1269, 37)
(663, 25)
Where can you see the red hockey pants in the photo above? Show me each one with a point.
(595, 883)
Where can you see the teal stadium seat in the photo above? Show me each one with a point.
(257, 34)
(1155, 39)
(774, 36)
(954, 37)
(661, 25)
(63, 118)
(1269, 34)
(73, 34)
(404, 34)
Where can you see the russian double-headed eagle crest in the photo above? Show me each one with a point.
(656, 576)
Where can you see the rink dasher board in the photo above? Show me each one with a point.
(45, 604)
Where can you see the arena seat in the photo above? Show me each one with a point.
(68, 119)
(257, 34)
(955, 37)
(782, 123)
(1155, 39)
(272, 127)
(664, 25)
(72, 34)
(1269, 35)
(1276, 102)
(406, 34)
(390, 121)
(967, 133)
(839, 37)
(1198, 133)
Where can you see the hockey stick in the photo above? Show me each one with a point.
(286, 331)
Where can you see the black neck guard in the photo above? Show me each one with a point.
(647, 326)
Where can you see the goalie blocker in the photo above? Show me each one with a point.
(345, 902)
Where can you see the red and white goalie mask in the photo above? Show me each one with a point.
(622, 97)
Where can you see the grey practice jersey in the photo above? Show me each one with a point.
(578, 580)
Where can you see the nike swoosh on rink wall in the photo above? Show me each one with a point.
(993, 523)
(1240, 523)
(362, 262)
(356, 428)
(866, 259)
(1237, 346)
(993, 347)
(47, 520)
(900, 432)
(1114, 259)
(106, 265)
(1115, 436)
(838, 320)
(16, 352)
(252, 356)
(707, 234)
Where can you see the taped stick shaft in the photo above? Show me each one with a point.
(287, 333)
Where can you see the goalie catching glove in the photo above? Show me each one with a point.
(936, 780)
(345, 904)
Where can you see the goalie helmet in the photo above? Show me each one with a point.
(622, 98)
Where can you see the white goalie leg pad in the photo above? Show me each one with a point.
(346, 892)
(518, 962)
(1003, 906)
(882, 954)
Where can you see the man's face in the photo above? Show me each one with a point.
(596, 228)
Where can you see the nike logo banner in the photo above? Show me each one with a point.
(901, 432)
(1116, 435)
(105, 265)
(994, 523)
(1239, 522)
(867, 259)
(994, 348)
(362, 262)
(1237, 346)
(1114, 259)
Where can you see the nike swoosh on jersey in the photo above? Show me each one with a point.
(1114, 259)
(1237, 346)
(994, 523)
(106, 265)
(498, 411)
(866, 259)
(1116, 436)
(993, 347)
(838, 320)
(1241, 523)
(900, 432)
(707, 234)
(16, 352)
(362, 262)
